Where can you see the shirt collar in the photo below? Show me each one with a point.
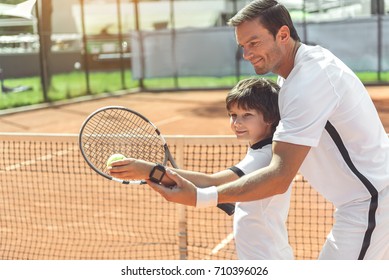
(262, 143)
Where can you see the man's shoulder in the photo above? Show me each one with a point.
(311, 53)
(309, 64)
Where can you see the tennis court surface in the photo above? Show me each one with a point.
(52, 206)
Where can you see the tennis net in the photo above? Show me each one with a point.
(53, 206)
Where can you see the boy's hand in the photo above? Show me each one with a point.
(130, 168)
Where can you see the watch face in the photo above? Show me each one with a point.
(158, 174)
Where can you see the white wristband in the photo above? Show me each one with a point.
(206, 197)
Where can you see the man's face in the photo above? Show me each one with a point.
(259, 47)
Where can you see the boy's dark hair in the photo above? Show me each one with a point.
(271, 14)
(256, 94)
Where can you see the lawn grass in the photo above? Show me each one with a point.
(72, 85)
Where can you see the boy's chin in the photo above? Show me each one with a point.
(242, 139)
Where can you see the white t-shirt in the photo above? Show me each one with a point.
(321, 88)
(260, 226)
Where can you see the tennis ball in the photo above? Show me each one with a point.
(115, 157)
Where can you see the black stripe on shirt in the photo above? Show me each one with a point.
(262, 143)
(369, 186)
(237, 171)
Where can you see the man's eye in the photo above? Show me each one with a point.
(255, 44)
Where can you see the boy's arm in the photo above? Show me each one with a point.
(135, 168)
(202, 180)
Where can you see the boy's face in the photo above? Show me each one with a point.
(248, 125)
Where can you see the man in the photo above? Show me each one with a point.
(329, 130)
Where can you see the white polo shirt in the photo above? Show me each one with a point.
(321, 91)
(260, 230)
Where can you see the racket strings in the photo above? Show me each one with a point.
(117, 131)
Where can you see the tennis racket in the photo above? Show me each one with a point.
(118, 130)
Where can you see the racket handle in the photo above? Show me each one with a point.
(229, 208)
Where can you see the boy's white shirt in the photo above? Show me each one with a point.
(260, 226)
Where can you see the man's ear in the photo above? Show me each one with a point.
(283, 34)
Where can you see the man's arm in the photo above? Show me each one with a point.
(265, 182)
(268, 181)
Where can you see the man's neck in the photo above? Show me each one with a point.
(289, 59)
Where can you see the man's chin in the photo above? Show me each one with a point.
(261, 71)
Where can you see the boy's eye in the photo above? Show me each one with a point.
(247, 115)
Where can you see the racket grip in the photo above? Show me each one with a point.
(229, 208)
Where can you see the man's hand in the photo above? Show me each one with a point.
(183, 191)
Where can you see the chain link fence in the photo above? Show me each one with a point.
(84, 47)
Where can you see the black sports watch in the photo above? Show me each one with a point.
(157, 173)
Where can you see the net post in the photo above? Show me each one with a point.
(182, 232)
(181, 209)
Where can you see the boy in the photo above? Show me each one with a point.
(259, 226)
